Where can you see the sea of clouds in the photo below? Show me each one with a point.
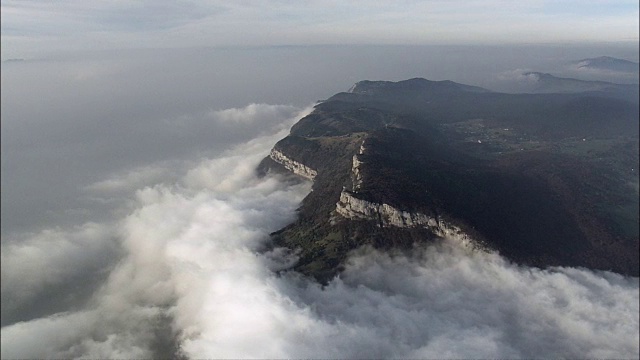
(134, 225)
(185, 273)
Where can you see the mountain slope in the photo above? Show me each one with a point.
(607, 63)
(541, 83)
(545, 179)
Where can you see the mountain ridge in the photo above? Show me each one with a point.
(607, 63)
(547, 83)
(409, 162)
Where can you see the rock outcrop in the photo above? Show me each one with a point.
(292, 165)
(351, 207)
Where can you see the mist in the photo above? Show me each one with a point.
(133, 224)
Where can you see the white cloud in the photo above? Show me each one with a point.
(52, 333)
(131, 180)
(52, 258)
(174, 231)
(519, 75)
(191, 263)
(443, 302)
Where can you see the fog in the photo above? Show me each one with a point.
(133, 223)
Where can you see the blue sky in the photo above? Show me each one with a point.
(38, 26)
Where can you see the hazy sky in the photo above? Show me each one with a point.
(33, 26)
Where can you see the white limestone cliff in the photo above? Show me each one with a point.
(351, 207)
(356, 174)
(355, 168)
(292, 165)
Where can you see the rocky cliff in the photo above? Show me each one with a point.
(292, 165)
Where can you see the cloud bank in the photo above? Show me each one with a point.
(127, 312)
(191, 277)
(444, 301)
(54, 269)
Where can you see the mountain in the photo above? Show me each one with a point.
(544, 179)
(541, 83)
(607, 63)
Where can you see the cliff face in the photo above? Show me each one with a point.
(388, 173)
(350, 207)
(385, 215)
(292, 165)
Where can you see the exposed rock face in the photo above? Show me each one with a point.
(355, 168)
(292, 165)
(351, 207)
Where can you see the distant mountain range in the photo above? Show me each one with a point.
(546, 179)
(546, 83)
(607, 63)
(12, 60)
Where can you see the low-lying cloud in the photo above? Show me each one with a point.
(453, 302)
(444, 301)
(192, 274)
(125, 315)
(54, 269)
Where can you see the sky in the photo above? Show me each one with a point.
(133, 223)
(31, 27)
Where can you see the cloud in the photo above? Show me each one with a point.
(131, 180)
(444, 301)
(40, 270)
(124, 316)
(230, 172)
(128, 127)
(193, 264)
(504, 310)
(519, 75)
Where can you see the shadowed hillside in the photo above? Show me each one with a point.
(545, 179)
